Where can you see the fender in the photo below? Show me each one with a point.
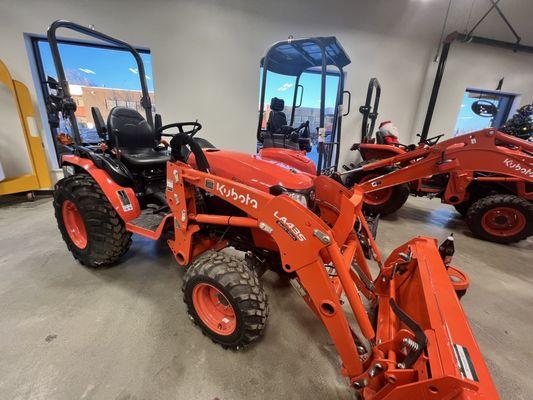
(121, 198)
(371, 151)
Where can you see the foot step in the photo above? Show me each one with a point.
(148, 220)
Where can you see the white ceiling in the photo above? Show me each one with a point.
(518, 12)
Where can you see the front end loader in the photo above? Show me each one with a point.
(408, 338)
(487, 175)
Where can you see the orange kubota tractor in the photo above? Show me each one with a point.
(486, 175)
(411, 338)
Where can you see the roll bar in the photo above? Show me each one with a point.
(64, 91)
(369, 110)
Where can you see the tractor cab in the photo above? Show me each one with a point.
(300, 105)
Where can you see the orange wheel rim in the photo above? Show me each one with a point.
(74, 224)
(214, 309)
(503, 221)
(378, 197)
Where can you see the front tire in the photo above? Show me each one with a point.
(501, 218)
(384, 201)
(462, 208)
(225, 299)
(91, 228)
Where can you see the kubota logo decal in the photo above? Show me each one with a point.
(291, 229)
(518, 167)
(234, 195)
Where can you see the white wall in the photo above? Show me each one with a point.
(206, 52)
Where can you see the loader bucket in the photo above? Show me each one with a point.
(419, 340)
(419, 311)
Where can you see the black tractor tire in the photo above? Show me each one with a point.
(522, 207)
(395, 201)
(462, 208)
(106, 237)
(240, 288)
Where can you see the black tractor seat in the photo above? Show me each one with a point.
(131, 134)
(277, 131)
(144, 157)
(136, 138)
(277, 118)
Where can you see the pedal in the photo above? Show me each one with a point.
(148, 220)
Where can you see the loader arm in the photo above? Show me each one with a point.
(413, 294)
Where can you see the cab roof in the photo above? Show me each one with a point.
(294, 56)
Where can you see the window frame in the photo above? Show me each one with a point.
(512, 99)
(39, 78)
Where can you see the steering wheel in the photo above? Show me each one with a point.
(195, 127)
(184, 139)
(302, 132)
(432, 140)
(302, 136)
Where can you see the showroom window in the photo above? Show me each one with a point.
(482, 109)
(280, 86)
(99, 75)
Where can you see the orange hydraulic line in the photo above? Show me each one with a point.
(349, 288)
(225, 220)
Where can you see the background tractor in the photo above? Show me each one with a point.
(303, 73)
(486, 175)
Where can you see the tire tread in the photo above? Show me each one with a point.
(243, 286)
(476, 211)
(107, 235)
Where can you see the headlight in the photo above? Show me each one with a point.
(68, 170)
(305, 197)
(299, 197)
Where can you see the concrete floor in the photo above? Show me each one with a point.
(68, 332)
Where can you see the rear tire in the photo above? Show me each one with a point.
(225, 299)
(501, 218)
(101, 237)
(385, 201)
